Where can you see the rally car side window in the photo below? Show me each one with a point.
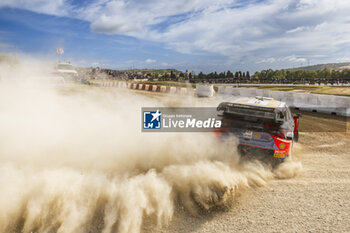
(289, 114)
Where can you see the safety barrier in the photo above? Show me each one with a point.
(204, 90)
(149, 87)
(330, 104)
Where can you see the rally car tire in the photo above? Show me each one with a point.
(276, 161)
(296, 136)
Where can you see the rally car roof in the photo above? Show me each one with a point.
(260, 108)
(261, 102)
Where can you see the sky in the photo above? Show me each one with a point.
(199, 35)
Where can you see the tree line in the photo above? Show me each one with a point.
(280, 75)
(205, 77)
(264, 76)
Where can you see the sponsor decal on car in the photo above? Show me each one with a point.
(280, 156)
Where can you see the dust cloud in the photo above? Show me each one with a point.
(73, 159)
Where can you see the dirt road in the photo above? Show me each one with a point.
(317, 200)
(76, 161)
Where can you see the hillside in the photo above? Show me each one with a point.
(153, 71)
(334, 66)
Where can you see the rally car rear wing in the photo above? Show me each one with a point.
(256, 112)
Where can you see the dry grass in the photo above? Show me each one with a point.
(327, 90)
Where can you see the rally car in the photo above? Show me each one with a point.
(66, 71)
(263, 126)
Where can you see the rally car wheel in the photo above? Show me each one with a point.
(296, 135)
(276, 161)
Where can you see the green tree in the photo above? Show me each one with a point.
(201, 75)
(229, 74)
(257, 75)
(172, 75)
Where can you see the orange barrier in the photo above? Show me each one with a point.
(149, 87)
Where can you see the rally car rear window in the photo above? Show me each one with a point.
(250, 112)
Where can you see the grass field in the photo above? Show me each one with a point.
(327, 90)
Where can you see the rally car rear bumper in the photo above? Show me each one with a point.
(256, 151)
(265, 143)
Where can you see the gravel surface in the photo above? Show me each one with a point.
(77, 191)
(317, 200)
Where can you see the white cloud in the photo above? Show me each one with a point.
(52, 7)
(297, 29)
(289, 59)
(294, 58)
(149, 61)
(242, 31)
(274, 28)
(343, 59)
(136, 18)
(268, 60)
